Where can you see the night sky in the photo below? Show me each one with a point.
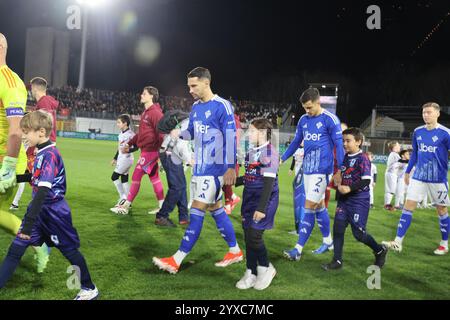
(248, 44)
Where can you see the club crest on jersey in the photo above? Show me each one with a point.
(319, 125)
(352, 162)
(435, 139)
(208, 114)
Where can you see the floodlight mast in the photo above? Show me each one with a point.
(83, 52)
(85, 4)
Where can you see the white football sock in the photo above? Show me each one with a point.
(119, 187)
(126, 189)
(328, 240)
(399, 240)
(235, 249)
(388, 198)
(19, 194)
(299, 248)
(179, 256)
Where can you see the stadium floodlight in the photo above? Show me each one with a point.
(86, 4)
(91, 3)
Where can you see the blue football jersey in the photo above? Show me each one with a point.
(430, 154)
(48, 171)
(212, 126)
(320, 135)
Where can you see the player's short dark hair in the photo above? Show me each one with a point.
(263, 124)
(38, 81)
(404, 151)
(125, 118)
(37, 120)
(355, 132)
(200, 72)
(154, 92)
(432, 105)
(310, 94)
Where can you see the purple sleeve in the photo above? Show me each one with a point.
(271, 163)
(366, 168)
(48, 170)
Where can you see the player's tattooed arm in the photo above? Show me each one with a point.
(229, 177)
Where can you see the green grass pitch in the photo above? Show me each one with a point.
(119, 249)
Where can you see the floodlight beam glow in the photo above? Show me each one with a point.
(91, 3)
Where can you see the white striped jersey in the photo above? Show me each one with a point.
(124, 137)
(392, 165)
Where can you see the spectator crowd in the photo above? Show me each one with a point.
(106, 104)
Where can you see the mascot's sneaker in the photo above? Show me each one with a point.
(87, 294)
(247, 281)
(264, 277)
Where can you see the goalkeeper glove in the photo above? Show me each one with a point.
(8, 173)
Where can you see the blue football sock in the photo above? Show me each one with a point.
(76, 259)
(306, 227)
(11, 262)
(193, 230)
(323, 221)
(225, 226)
(404, 223)
(444, 225)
